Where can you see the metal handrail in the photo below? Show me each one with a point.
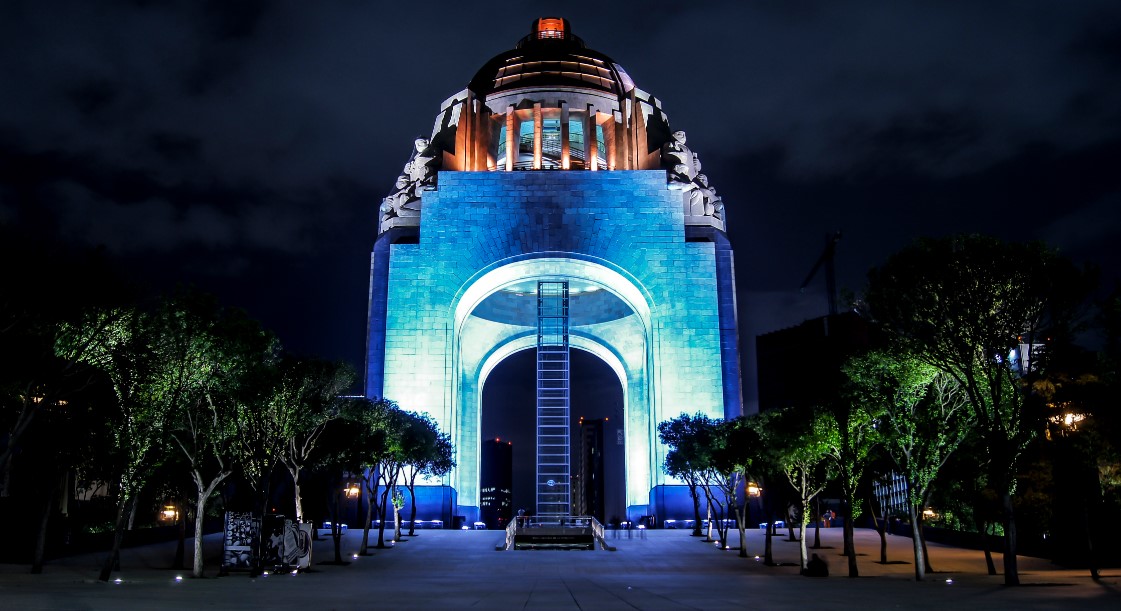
(526, 523)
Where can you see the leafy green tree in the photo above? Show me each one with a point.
(340, 456)
(312, 389)
(963, 304)
(800, 446)
(925, 419)
(378, 437)
(215, 349)
(429, 453)
(130, 357)
(852, 450)
(733, 453)
(687, 437)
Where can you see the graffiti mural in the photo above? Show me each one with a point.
(241, 536)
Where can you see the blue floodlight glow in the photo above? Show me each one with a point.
(455, 303)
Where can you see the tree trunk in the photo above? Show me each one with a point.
(118, 537)
(696, 510)
(925, 552)
(337, 528)
(802, 552)
(295, 472)
(364, 549)
(200, 517)
(768, 556)
(41, 537)
(741, 523)
(381, 518)
(881, 528)
(850, 546)
(1011, 573)
(412, 512)
(708, 535)
(916, 543)
(817, 521)
(984, 528)
(132, 514)
(1089, 531)
(259, 544)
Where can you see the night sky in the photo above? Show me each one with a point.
(244, 146)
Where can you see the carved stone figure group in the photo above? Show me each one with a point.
(418, 174)
(683, 168)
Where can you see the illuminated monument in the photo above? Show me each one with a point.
(553, 209)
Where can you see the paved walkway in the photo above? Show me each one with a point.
(667, 569)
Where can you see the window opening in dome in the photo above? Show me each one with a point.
(601, 148)
(551, 144)
(550, 28)
(576, 142)
(525, 138)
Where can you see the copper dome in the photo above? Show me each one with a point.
(551, 56)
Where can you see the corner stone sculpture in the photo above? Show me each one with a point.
(683, 170)
(418, 175)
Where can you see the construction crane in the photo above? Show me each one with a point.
(826, 259)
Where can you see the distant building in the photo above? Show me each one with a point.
(588, 495)
(496, 483)
(801, 366)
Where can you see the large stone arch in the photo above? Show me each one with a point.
(624, 344)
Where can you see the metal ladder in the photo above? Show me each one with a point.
(553, 469)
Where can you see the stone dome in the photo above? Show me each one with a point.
(551, 56)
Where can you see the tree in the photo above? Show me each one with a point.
(963, 305)
(924, 421)
(311, 389)
(217, 347)
(800, 446)
(341, 455)
(733, 452)
(376, 436)
(687, 437)
(130, 357)
(390, 463)
(429, 453)
(851, 450)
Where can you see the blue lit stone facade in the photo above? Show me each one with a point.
(622, 232)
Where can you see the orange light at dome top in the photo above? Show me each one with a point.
(550, 28)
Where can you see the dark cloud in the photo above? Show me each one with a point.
(226, 141)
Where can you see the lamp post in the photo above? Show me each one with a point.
(1072, 449)
(754, 491)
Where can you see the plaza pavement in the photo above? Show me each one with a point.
(665, 569)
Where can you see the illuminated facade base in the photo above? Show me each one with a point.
(650, 295)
